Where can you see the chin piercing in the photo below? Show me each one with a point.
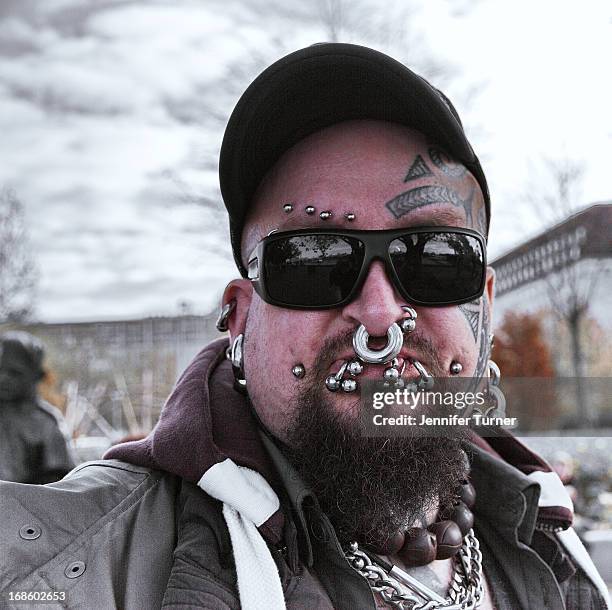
(298, 370)
(288, 208)
(310, 210)
(455, 367)
(325, 215)
(349, 216)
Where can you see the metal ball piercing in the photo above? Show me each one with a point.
(333, 382)
(298, 370)
(325, 215)
(350, 216)
(455, 367)
(310, 210)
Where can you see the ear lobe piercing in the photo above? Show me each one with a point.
(235, 355)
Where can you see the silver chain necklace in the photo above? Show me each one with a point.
(405, 592)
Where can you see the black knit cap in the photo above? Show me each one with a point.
(314, 88)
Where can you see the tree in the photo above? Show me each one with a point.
(18, 275)
(571, 287)
(524, 357)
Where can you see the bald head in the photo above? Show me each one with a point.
(386, 174)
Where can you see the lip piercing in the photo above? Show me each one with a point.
(310, 210)
(325, 215)
(298, 370)
(333, 382)
(455, 367)
(426, 380)
(350, 216)
(355, 368)
(288, 207)
(393, 375)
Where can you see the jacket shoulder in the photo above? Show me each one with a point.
(43, 527)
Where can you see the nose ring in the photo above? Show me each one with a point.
(395, 340)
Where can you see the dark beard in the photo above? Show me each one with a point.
(370, 487)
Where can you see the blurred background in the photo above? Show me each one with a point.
(114, 248)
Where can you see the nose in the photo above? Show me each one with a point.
(377, 305)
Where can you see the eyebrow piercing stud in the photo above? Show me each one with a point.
(288, 208)
(325, 215)
(350, 216)
(310, 210)
(455, 367)
(298, 370)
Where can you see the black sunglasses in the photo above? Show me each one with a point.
(325, 268)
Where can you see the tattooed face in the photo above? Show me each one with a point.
(389, 176)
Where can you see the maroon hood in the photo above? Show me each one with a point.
(204, 422)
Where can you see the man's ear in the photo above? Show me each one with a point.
(490, 289)
(241, 292)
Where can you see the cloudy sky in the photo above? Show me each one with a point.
(112, 114)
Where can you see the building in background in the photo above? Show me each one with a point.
(564, 275)
(112, 378)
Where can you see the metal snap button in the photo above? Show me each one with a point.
(30, 532)
(74, 569)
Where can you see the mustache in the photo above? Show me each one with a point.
(416, 341)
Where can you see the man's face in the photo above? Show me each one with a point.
(360, 167)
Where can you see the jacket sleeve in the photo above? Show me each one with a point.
(104, 536)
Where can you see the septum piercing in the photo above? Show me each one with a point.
(392, 375)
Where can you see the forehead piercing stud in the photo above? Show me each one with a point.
(298, 370)
(288, 207)
(325, 215)
(349, 216)
(455, 367)
(310, 210)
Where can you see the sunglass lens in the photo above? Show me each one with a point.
(439, 268)
(315, 270)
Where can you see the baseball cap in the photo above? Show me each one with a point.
(314, 88)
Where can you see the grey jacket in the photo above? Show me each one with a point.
(114, 534)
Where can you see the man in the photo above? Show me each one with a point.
(358, 215)
(33, 448)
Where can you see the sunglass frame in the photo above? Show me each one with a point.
(376, 244)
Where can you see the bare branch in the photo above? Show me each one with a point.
(18, 275)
